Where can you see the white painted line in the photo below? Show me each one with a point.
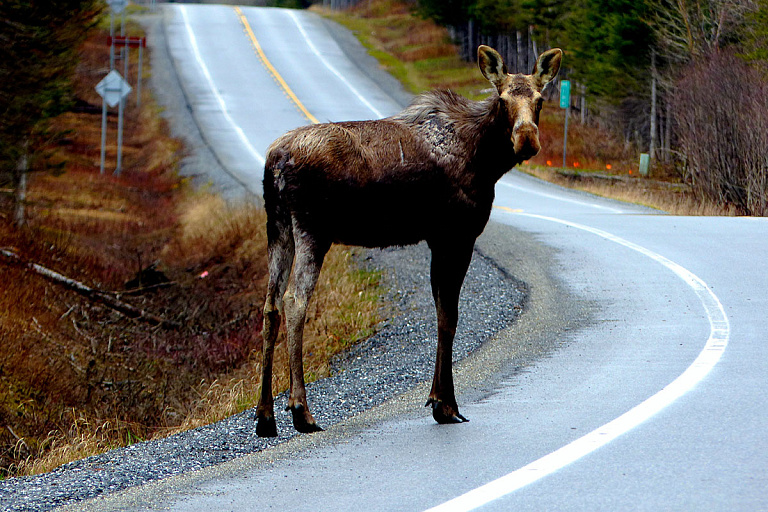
(331, 68)
(558, 198)
(222, 104)
(701, 366)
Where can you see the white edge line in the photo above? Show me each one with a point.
(701, 366)
(331, 68)
(222, 104)
(557, 198)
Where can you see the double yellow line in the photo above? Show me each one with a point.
(272, 71)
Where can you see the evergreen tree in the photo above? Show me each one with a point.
(39, 41)
(452, 13)
(609, 46)
(499, 16)
(754, 33)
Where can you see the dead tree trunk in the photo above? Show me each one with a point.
(652, 145)
(22, 169)
(91, 293)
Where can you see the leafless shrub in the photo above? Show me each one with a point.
(720, 105)
(686, 30)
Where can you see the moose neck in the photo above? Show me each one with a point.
(488, 135)
(479, 131)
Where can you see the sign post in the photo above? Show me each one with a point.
(126, 42)
(115, 7)
(112, 89)
(565, 102)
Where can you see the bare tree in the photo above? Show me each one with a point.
(720, 105)
(689, 28)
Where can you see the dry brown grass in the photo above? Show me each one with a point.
(414, 50)
(664, 196)
(84, 438)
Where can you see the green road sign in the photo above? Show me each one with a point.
(565, 93)
(645, 162)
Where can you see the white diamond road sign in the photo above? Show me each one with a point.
(117, 6)
(113, 88)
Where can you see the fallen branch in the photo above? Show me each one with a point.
(93, 294)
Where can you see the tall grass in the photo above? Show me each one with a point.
(85, 436)
(657, 195)
(415, 51)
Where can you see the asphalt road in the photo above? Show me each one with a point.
(651, 397)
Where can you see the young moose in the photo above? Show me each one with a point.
(427, 173)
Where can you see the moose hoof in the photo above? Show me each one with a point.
(266, 426)
(444, 413)
(302, 420)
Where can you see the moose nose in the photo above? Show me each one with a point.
(526, 140)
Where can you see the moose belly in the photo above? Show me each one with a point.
(380, 214)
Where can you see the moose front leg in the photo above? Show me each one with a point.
(449, 266)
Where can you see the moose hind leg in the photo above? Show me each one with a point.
(449, 266)
(280, 253)
(309, 260)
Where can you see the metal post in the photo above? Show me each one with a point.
(138, 79)
(565, 136)
(119, 167)
(121, 108)
(125, 62)
(111, 40)
(565, 102)
(122, 31)
(103, 132)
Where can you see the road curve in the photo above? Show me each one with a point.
(654, 399)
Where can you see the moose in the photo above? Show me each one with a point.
(425, 174)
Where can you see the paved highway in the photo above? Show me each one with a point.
(653, 397)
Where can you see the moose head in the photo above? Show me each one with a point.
(521, 95)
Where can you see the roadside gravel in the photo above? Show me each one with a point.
(396, 359)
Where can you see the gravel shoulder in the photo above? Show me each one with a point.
(385, 375)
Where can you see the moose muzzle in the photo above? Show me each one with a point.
(525, 137)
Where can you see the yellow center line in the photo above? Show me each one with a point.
(279, 79)
(508, 209)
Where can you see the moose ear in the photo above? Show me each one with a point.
(491, 65)
(547, 66)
